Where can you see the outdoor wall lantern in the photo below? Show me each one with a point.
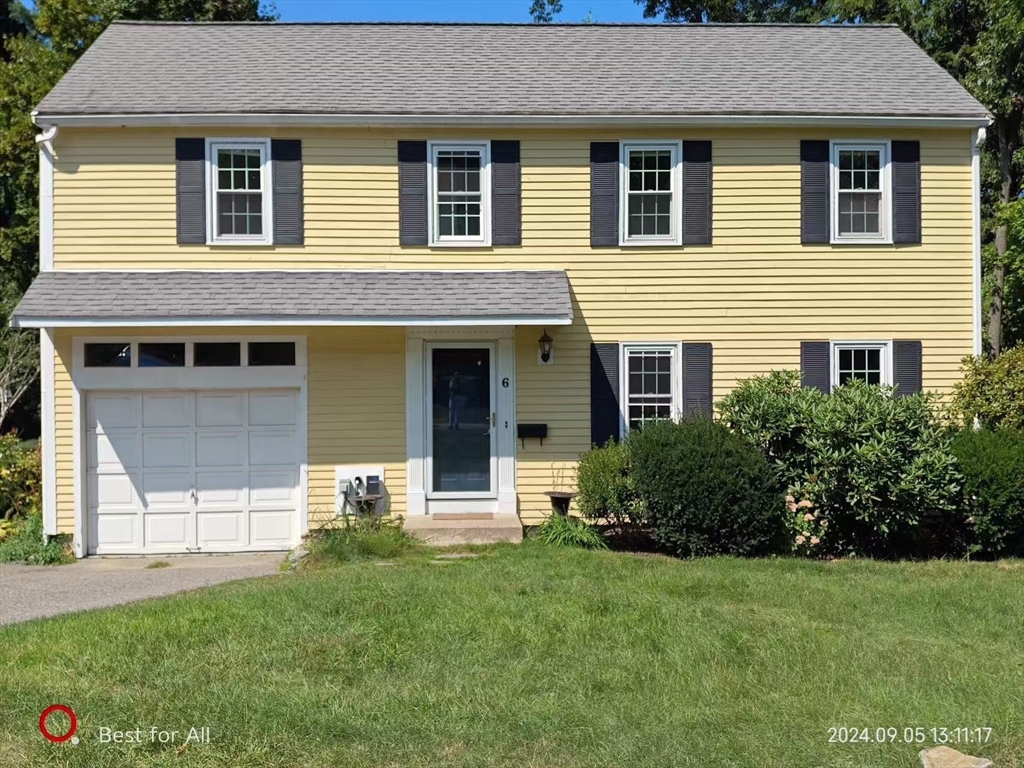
(545, 348)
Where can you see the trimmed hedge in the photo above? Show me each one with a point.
(993, 467)
(706, 491)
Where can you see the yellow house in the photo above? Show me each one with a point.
(293, 270)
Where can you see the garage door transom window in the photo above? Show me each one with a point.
(189, 354)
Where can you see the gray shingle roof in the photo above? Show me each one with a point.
(507, 69)
(294, 296)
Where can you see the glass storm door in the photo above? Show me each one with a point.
(461, 431)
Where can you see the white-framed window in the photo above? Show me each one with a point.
(651, 385)
(868, 361)
(211, 353)
(459, 191)
(239, 192)
(651, 193)
(861, 192)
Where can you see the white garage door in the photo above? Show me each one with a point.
(192, 471)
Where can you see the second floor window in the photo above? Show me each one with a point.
(240, 198)
(860, 180)
(459, 179)
(651, 194)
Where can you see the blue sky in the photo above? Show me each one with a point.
(450, 10)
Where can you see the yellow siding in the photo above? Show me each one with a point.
(755, 294)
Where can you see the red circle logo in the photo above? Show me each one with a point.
(53, 737)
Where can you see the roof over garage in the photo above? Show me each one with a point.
(295, 298)
(480, 70)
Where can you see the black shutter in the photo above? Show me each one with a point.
(906, 192)
(814, 192)
(816, 365)
(604, 393)
(412, 192)
(506, 206)
(907, 362)
(604, 193)
(697, 173)
(286, 157)
(190, 179)
(697, 380)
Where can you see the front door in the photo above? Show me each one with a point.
(461, 434)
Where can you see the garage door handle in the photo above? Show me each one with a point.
(195, 496)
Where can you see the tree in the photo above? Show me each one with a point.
(981, 44)
(19, 364)
(544, 11)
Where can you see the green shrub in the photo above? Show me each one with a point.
(565, 531)
(877, 469)
(20, 477)
(992, 391)
(605, 491)
(706, 490)
(369, 537)
(993, 467)
(24, 543)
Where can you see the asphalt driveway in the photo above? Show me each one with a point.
(34, 591)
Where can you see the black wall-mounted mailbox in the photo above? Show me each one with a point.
(539, 431)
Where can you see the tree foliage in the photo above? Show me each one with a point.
(545, 11)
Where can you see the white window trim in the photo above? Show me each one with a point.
(884, 205)
(267, 182)
(625, 347)
(676, 237)
(885, 345)
(464, 241)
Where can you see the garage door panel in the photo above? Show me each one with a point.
(219, 409)
(114, 451)
(166, 449)
(220, 529)
(270, 448)
(108, 412)
(274, 487)
(220, 449)
(147, 452)
(117, 531)
(220, 487)
(269, 528)
(272, 409)
(110, 491)
(167, 530)
(167, 410)
(166, 489)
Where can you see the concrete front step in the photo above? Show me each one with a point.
(445, 529)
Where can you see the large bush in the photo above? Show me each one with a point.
(992, 391)
(706, 491)
(20, 478)
(993, 467)
(877, 470)
(605, 490)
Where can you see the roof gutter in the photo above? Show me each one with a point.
(538, 121)
(288, 321)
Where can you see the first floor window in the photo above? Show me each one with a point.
(863, 362)
(459, 184)
(860, 173)
(240, 192)
(651, 189)
(650, 384)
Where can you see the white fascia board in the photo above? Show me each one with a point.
(380, 121)
(288, 322)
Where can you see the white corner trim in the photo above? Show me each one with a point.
(81, 529)
(49, 434)
(378, 121)
(46, 155)
(976, 272)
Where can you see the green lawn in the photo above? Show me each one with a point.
(532, 656)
